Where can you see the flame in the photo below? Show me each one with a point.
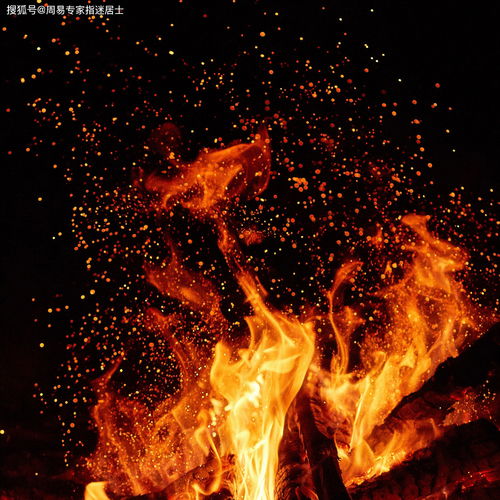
(241, 415)
(259, 388)
(224, 426)
(427, 318)
(216, 177)
(238, 407)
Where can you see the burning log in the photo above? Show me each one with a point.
(204, 476)
(321, 453)
(466, 458)
(293, 474)
(436, 397)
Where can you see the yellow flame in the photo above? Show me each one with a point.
(259, 387)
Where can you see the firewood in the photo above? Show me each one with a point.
(321, 453)
(293, 479)
(466, 457)
(482, 492)
(203, 475)
(475, 365)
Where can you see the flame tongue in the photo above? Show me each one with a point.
(242, 413)
(428, 318)
(216, 177)
(259, 388)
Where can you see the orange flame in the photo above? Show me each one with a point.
(427, 320)
(216, 177)
(224, 427)
(241, 415)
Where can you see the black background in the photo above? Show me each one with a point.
(425, 42)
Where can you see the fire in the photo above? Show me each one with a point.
(216, 177)
(427, 319)
(223, 428)
(241, 415)
(259, 388)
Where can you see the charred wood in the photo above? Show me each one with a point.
(293, 479)
(434, 400)
(203, 475)
(321, 453)
(481, 492)
(466, 458)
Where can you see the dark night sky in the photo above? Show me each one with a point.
(425, 42)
